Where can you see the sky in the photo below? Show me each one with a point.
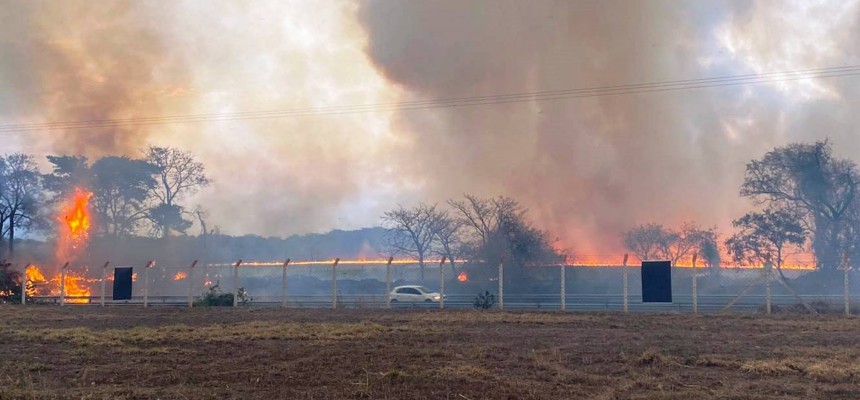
(587, 168)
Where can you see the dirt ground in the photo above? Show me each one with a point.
(254, 353)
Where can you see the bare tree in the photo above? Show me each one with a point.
(411, 231)
(446, 230)
(20, 196)
(648, 241)
(484, 216)
(766, 237)
(178, 174)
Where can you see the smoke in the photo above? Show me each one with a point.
(591, 168)
(82, 61)
(587, 168)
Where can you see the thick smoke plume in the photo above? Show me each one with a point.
(591, 168)
(587, 168)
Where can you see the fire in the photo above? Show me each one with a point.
(75, 288)
(180, 276)
(463, 276)
(34, 278)
(74, 224)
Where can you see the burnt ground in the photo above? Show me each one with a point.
(254, 353)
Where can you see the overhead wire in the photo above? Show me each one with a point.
(650, 87)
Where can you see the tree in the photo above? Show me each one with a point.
(484, 216)
(20, 198)
(649, 241)
(765, 237)
(446, 230)
(411, 231)
(67, 173)
(120, 188)
(178, 174)
(821, 188)
(682, 243)
(499, 227)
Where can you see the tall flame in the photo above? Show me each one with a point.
(74, 224)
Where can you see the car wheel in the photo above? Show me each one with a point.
(428, 301)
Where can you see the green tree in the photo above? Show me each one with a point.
(766, 237)
(820, 187)
(121, 187)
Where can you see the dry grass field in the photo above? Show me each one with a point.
(133, 353)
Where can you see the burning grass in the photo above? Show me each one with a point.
(77, 352)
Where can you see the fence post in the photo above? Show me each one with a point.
(191, 283)
(626, 291)
(284, 284)
(695, 289)
(63, 283)
(502, 283)
(442, 283)
(388, 282)
(563, 285)
(846, 266)
(767, 267)
(236, 283)
(24, 280)
(334, 283)
(104, 278)
(146, 282)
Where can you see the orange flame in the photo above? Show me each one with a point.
(34, 278)
(74, 221)
(180, 276)
(75, 287)
(463, 276)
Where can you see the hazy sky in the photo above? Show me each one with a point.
(587, 168)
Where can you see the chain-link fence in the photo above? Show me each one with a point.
(369, 284)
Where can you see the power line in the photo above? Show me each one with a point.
(660, 86)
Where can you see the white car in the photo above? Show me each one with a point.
(414, 294)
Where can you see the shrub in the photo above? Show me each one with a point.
(485, 301)
(215, 298)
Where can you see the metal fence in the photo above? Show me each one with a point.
(367, 284)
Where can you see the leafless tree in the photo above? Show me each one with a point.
(411, 231)
(20, 196)
(447, 230)
(484, 216)
(648, 241)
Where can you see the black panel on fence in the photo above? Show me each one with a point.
(122, 283)
(656, 282)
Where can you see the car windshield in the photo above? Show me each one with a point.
(422, 289)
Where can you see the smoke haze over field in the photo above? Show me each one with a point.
(587, 168)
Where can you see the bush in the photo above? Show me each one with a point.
(10, 283)
(215, 298)
(485, 301)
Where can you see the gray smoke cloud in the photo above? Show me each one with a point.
(587, 168)
(591, 168)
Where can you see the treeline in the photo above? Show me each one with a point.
(129, 196)
(807, 202)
